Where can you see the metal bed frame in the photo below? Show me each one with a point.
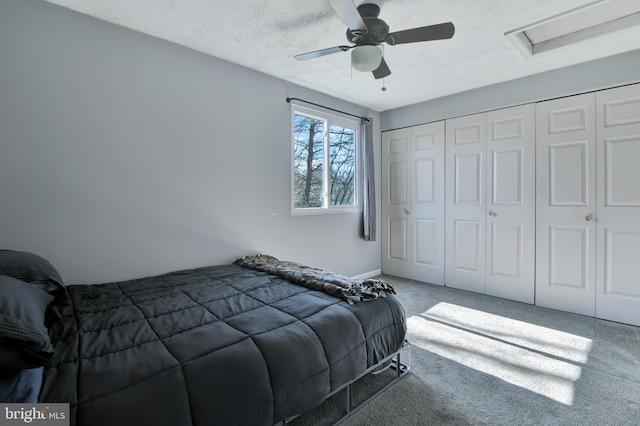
(392, 361)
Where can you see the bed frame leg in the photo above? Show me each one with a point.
(401, 371)
(393, 361)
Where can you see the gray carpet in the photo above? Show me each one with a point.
(480, 360)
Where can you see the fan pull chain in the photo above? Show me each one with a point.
(384, 88)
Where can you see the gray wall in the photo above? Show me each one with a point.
(594, 75)
(122, 155)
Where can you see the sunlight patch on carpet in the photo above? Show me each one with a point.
(539, 359)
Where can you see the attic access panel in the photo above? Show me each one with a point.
(592, 20)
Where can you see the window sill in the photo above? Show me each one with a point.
(318, 212)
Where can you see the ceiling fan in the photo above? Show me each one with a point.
(366, 31)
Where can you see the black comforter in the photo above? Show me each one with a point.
(219, 345)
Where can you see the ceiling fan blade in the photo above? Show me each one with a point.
(347, 11)
(382, 71)
(322, 52)
(430, 32)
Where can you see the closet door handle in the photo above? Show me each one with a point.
(406, 211)
(492, 213)
(588, 218)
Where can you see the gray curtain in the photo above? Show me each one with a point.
(369, 198)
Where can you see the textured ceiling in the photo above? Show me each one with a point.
(265, 35)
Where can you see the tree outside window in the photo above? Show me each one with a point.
(325, 163)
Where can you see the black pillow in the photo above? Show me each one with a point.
(24, 339)
(31, 268)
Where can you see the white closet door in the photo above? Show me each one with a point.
(396, 157)
(566, 204)
(465, 205)
(511, 211)
(618, 218)
(427, 203)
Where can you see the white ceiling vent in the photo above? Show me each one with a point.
(592, 20)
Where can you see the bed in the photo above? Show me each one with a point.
(245, 343)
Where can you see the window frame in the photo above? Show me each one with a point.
(329, 119)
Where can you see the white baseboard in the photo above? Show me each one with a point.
(368, 274)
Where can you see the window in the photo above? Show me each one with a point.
(325, 165)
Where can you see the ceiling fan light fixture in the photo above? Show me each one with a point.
(366, 33)
(366, 58)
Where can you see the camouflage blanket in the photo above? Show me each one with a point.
(350, 289)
